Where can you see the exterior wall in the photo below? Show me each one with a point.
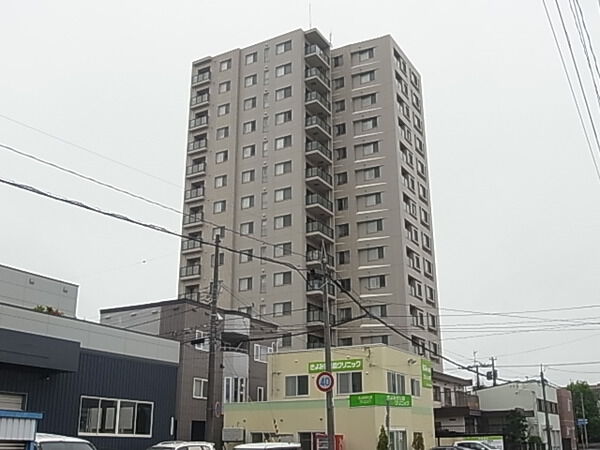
(29, 290)
(566, 413)
(58, 394)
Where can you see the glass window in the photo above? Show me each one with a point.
(283, 117)
(249, 127)
(349, 382)
(282, 70)
(223, 109)
(296, 385)
(248, 176)
(283, 47)
(225, 86)
(248, 151)
(282, 278)
(282, 93)
(250, 80)
(283, 194)
(249, 103)
(282, 221)
(200, 388)
(225, 65)
(251, 58)
(283, 168)
(282, 309)
(283, 249)
(283, 142)
(222, 133)
(98, 416)
(247, 202)
(396, 383)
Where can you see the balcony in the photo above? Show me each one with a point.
(319, 205)
(315, 55)
(196, 169)
(197, 146)
(317, 128)
(317, 103)
(201, 77)
(316, 79)
(193, 219)
(318, 179)
(318, 152)
(316, 317)
(315, 287)
(313, 257)
(199, 100)
(189, 271)
(190, 245)
(319, 230)
(193, 296)
(195, 194)
(199, 122)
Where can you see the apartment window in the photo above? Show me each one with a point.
(429, 294)
(282, 221)
(245, 284)
(203, 341)
(261, 352)
(421, 169)
(343, 257)
(364, 101)
(344, 314)
(437, 394)
(342, 204)
(416, 102)
(423, 193)
(283, 117)
(218, 231)
(411, 232)
(414, 79)
(418, 317)
(424, 217)
(339, 129)
(219, 206)
(283, 168)
(283, 249)
(249, 103)
(339, 106)
(366, 77)
(341, 178)
(340, 153)
(282, 278)
(415, 387)
(345, 283)
(426, 242)
(338, 83)
(234, 389)
(384, 339)
(282, 309)
(225, 86)
(373, 226)
(396, 383)
(375, 282)
(247, 202)
(338, 61)
(98, 416)
(283, 142)
(414, 260)
(283, 47)
(377, 310)
(223, 109)
(432, 321)
(349, 382)
(249, 127)
(248, 176)
(282, 70)
(415, 288)
(220, 181)
(222, 132)
(419, 146)
(248, 151)
(371, 173)
(343, 230)
(409, 205)
(260, 394)
(286, 341)
(296, 385)
(283, 194)
(225, 65)
(283, 93)
(246, 255)
(251, 58)
(250, 80)
(374, 254)
(200, 388)
(418, 123)
(247, 228)
(365, 55)
(367, 149)
(361, 126)
(372, 199)
(428, 268)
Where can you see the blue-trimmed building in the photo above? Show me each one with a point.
(18, 428)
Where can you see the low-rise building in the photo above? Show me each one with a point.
(246, 342)
(566, 413)
(368, 378)
(526, 396)
(456, 410)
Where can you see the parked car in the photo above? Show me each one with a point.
(183, 445)
(449, 447)
(268, 446)
(45, 441)
(474, 445)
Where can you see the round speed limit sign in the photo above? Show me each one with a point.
(324, 381)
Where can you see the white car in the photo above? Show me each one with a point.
(474, 445)
(268, 446)
(183, 445)
(45, 441)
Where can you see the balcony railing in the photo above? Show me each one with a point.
(313, 146)
(199, 121)
(196, 168)
(200, 77)
(193, 218)
(194, 296)
(315, 256)
(314, 95)
(316, 120)
(317, 285)
(189, 271)
(317, 199)
(194, 193)
(315, 49)
(190, 244)
(318, 172)
(316, 72)
(199, 99)
(197, 145)
(314, 227)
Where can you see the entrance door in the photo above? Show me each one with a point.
(198, 430)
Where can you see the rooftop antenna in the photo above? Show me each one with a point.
(309, 15)
(330, 37)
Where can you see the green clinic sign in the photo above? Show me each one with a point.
(426, 373)
(342, 365)
(379, 399)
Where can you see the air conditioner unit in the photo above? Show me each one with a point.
(234, 434)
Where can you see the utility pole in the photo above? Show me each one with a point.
(548, 432)
(387, 423)
(494, 375)
(584, 441)
(327, 339)
(215, 358)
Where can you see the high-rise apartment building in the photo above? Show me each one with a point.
(293, 145)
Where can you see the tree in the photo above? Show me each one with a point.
(581, 389)
(418, 443)
(383, 442)
(515, 430)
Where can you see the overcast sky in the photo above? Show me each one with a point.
(515, 197)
